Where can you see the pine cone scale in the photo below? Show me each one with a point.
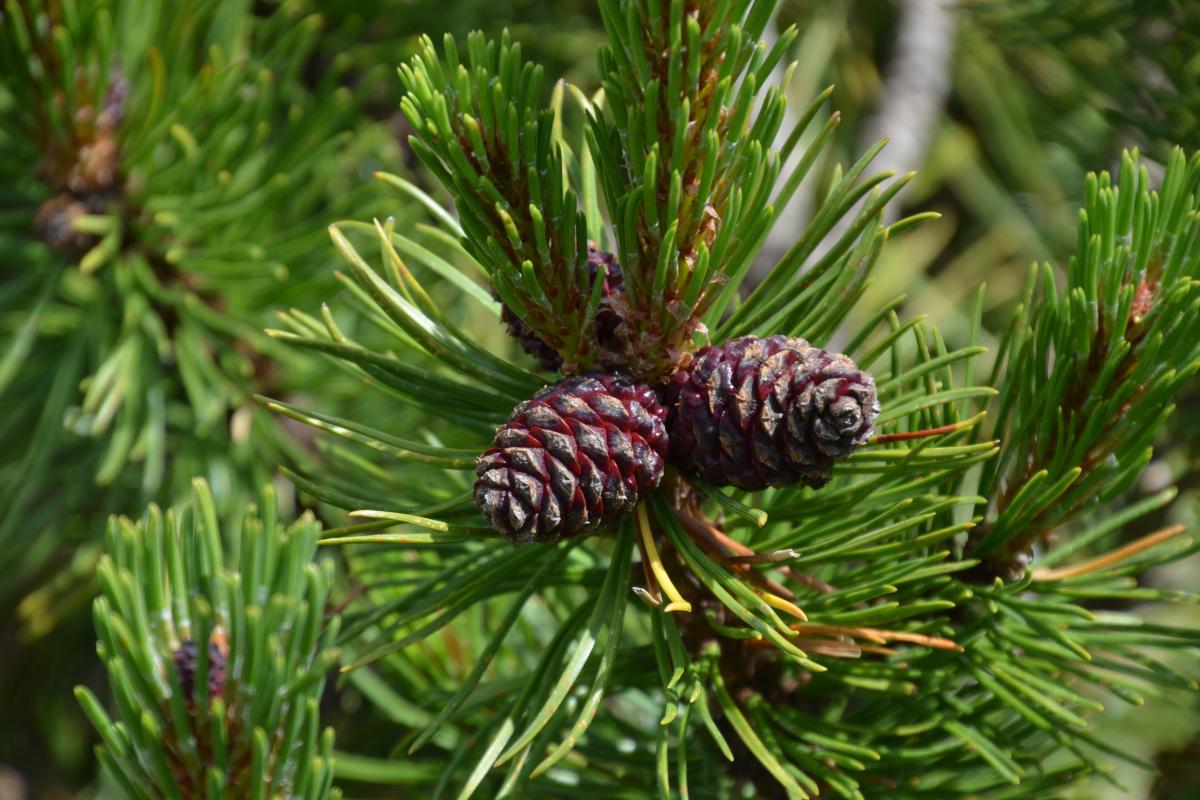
(561, 449)
(591, 441)
(563, 482)
(591, 485)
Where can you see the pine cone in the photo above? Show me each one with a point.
(768, 412)
(607, 318)
(572, 459)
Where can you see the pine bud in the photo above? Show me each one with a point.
(55, 224)
(572, 459)
(774, 411)
(185, 657)
(607, 317)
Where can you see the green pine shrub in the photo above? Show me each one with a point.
(216, 646)
(956, 613)
(166, 170)
(182, 166)
(945, 618)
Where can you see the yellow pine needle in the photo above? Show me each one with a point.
(1110, 558)
(650, 595)
(775, 601)
(880, 636)
(935, 642)
(660, 572)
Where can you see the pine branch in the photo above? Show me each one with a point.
(175, 196)
(685, 174)
(885, 486)
(482, 129)
(831, 639)
(1090, 373)
(217, 672)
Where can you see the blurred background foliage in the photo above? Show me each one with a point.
(1001, 106)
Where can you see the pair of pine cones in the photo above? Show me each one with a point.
(752, 413)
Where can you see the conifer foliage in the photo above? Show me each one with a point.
(216, 652)
(829, 603)
(167, 173)
(677, 534)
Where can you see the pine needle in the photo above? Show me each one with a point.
(1110, 558)
(660, 572)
